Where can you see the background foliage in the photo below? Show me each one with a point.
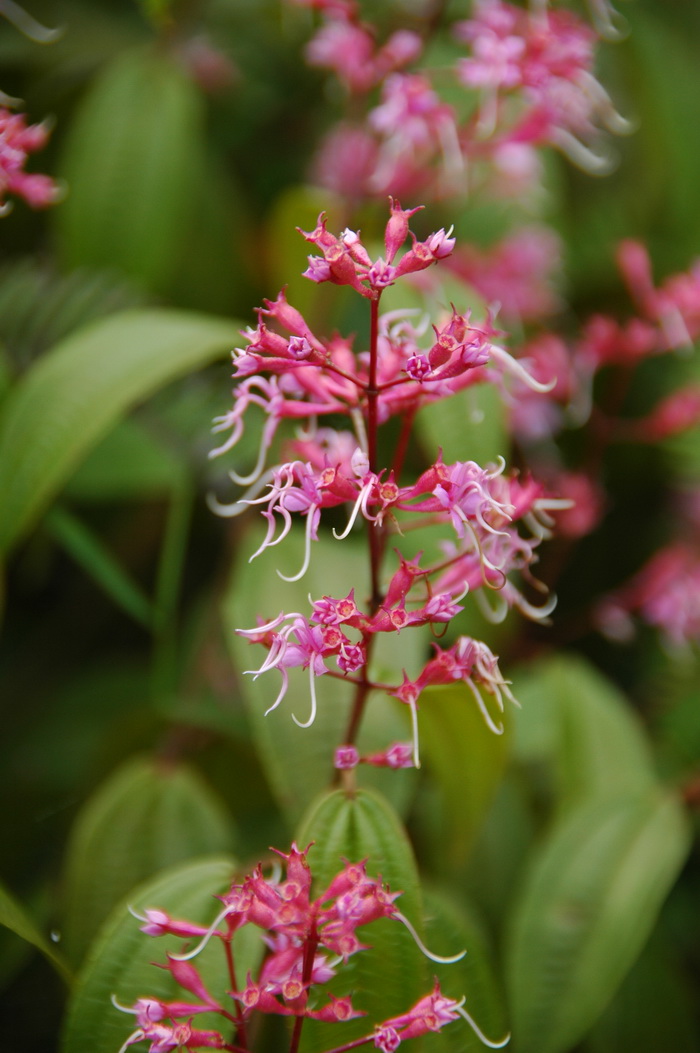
(133, 751)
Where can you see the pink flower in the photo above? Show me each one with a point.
(17, 141)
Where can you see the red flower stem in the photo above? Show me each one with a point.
(307, 971)
(372, 390)
(363, 689)
(375, 534)
(240, 1021)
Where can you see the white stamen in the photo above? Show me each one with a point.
(120, 1007)
(204, 940)
(477, 1030)
(283, 691)
(307, 549)
(135, 1036)
(27, 25)
(581, 155)
(497, 729)
(353, 516)
(518, 370)
(414, 730)
(429, 954)
(312, 684)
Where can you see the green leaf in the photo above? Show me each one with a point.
(130, 167)
(148, 815)
(586, 908)
(467, 426)
(466, 759)
(120, 961)
(390, 977)
(299, 761)
(14, 917)
(76, 392)
(574, 720)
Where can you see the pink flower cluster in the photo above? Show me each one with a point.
(17, 140)
(533, 75)
(534, 72)
(481, 508)
(307, 940)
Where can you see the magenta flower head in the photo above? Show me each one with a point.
(306, 942)
(297, 377)
(17, 140)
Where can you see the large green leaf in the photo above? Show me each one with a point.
(76, 392)
(130, 165)
(467, 760)
(391, 976)
(120, 962)
(586, 908)
(15, 918)
(299, 761)
(148, 815)
(577, 723)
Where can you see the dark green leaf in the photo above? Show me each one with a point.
(467, 426)
(148, 815)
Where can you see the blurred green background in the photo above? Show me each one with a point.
(183, 134)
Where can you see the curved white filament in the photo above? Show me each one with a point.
(283, 691)
(353, 516)
(307, 549)
(135, 1036)
(245, 480)
(477, 1030)
(421, 946)
(120, 1007)
(581, 155)
(204, 940)
(27, 25)
(312, 685)
(497, 729)
(518, 370)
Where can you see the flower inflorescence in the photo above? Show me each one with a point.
(306, 940)
(293, 374)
